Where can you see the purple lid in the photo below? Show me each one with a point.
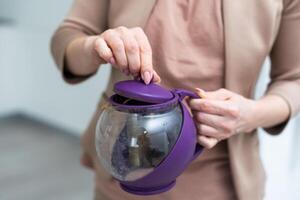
(138, 90)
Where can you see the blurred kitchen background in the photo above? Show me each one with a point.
(42, 118)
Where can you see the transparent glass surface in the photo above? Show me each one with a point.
(131, 145)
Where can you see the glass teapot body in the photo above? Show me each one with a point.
(131, 145)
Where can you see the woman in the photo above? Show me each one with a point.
(193, 44)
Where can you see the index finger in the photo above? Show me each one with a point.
(147, 73)
(215, 107)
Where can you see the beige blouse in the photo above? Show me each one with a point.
(187, 43)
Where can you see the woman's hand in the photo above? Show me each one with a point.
(127, 49)
(220, 115)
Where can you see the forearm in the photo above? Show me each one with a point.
(81, 57)
(271, 110)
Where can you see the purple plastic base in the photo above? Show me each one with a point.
(148, 191)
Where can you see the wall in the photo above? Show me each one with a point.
(29, 81)
(279, 153)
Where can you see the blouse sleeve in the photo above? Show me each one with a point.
(86, 17)
(285, 61)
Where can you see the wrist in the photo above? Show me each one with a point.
(81, 57)
(253, 118)
(257, 114)
(270, 111)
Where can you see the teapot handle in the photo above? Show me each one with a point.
(182, 94)
(185, 93)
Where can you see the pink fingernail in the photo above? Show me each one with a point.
(146, 77)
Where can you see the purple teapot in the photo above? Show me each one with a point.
(146, 137)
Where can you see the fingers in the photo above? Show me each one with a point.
(131, 50)
(207, 142)
(208, 136)
(216, 115)
(147, 73)
(116, 44)
(216, 107)
(103, 50)
(208, 131)
(224, 125)
(208, 119)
